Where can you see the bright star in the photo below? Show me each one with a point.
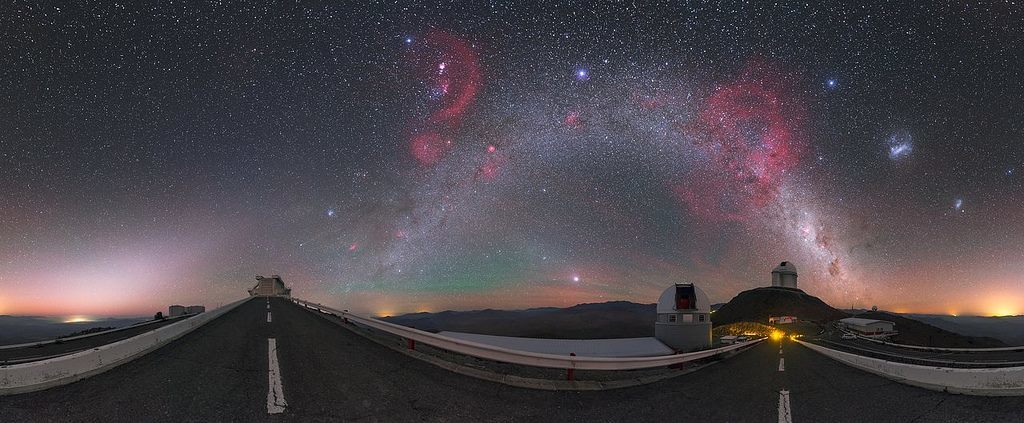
(958, 204)
(832, 83)
(575, 278)
(582, 74)
(408, 40)
(330, 212)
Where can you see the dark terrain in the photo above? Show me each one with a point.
(614, 319)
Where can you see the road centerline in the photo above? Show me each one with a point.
(782, 364)
(784, 412)
(275, 393)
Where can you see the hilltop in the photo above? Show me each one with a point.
(756, 305)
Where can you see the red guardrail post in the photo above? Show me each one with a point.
(570, 372)
(410, 343)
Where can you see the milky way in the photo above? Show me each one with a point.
(390, 158)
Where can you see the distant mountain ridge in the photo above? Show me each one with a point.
(914, 331)
(624, 319)
(1009, 329)
(613, 319)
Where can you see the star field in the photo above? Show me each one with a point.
(412, 156)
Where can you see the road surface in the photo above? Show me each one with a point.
(314, 370)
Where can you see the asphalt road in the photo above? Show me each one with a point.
(832, 339)
(45, 349)
(220, 373)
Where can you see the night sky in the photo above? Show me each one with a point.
(394, 158)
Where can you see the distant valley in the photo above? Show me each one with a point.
(22, 329)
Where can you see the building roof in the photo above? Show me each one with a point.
(862, 322)
(667, 301)
(623, 347)
(786, 267)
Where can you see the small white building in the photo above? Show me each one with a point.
(782, 320)
(868, 327)
(684, 318)
(176, 310)
(784, 275)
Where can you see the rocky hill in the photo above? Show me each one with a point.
(757, 304)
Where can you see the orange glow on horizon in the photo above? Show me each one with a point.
(79, 319)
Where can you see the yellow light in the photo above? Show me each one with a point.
(777, 335)
(77, 319)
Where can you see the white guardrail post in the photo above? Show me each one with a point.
(43, 374)
(999, 381)
(527, 358)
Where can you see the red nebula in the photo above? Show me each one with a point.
(450, 70)
(489, 170)
(573, 120)
(750, 130)
(491, 148)
(429, 147)
(353, 247)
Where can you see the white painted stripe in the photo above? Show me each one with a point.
(275, 394)
(782, 364)
(780, 351)
(784, 414)
(268, 317)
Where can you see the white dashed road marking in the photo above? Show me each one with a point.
(268, 317)
(782, 364)
(784, 416)
(275, 394)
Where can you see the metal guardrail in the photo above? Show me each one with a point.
(64, 369)
(527, 358)
(922, 361)
(940, 349)
(89, 335)
(1004, 381)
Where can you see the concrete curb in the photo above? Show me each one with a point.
(519, 381)
(44, 374)
(1001, 381)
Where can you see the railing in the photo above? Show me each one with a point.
(527, 358)
(924, 361)
(940, 349)
(1003, 381)
(89, 335)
